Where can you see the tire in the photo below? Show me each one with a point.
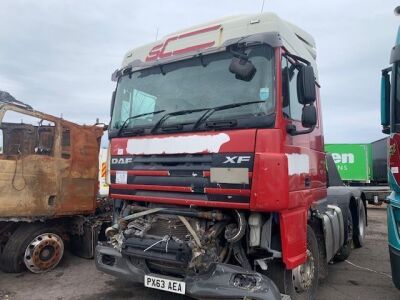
(36, 246)
(359, 221)
(283, 277)
(345, 250)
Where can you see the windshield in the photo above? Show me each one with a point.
(195, 84)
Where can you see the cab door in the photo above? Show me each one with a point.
(28, 173)
(306, 158)
(79, 167)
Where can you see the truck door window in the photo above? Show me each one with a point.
(66, 143)
(292, 109)
(25, 135)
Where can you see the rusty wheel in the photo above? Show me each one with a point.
(44, 252)
(37, 246)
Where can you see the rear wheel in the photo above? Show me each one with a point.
(360, 222)
(301, 283)
(344, 251)
(37, 247)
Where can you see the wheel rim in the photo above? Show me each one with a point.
(361, 221)
(303, 275)
(44, 252)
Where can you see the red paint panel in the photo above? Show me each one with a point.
(186, 202)
(240, 141)
(394, 155)
(143, 172)
(270, 190)
(294, 237)
(305, 198)
(148, 187)
(269, 141)
(300, 198)
(219, 191)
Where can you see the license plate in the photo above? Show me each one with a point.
(173, 286)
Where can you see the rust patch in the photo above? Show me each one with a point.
(54, 169)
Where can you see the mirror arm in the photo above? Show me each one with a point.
(291, 129)
(298, 58)
(387, 70)
(238, 51)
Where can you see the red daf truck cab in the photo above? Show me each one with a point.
(217, 167)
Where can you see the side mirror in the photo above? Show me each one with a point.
(309, 116)
(112, 103)
(308, 120)
(306, 85)
(397, 11)
(242, 68)
(385, 99)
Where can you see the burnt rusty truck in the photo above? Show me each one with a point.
(48, 188)
(218, 171)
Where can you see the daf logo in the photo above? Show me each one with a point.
(121, 160)
(236, 159)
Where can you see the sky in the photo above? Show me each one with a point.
(58, 56)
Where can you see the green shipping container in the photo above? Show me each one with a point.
(354, 161)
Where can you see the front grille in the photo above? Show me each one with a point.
(183, 177)
(176, 253)
(168, 226)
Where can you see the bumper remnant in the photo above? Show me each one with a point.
(224, 281)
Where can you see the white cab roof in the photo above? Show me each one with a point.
(214, 34)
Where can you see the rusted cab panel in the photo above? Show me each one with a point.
(47, 170)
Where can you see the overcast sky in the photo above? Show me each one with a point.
(58, 55)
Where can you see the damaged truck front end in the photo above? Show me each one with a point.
(186, 251)
(217, 169)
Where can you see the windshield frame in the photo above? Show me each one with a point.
(266, 120)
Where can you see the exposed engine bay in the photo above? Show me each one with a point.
(177, 241)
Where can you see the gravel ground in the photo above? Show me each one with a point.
(78, 278)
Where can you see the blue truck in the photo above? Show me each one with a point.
(390, 120)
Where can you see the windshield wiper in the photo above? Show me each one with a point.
(175, 113)
(212, 110)
(135, 117)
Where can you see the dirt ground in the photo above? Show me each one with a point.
(78, 278)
